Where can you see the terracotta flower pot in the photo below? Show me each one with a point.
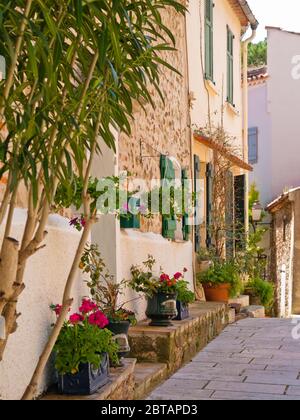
(217, 293)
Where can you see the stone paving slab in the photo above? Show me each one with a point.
(254, 359)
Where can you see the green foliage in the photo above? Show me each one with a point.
(264, 290)
(142, 278)
(222, 273)
(184, 295)
(81, 66)
(254, 196)
(83, 343)
(257, 54)
(104, 290)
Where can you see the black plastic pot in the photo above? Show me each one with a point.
(183, 311)
(87, 381)
(120, 327)
(161, 309)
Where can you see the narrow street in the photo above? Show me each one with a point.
(254, 359)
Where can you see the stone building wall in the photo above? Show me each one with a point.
(282, 248)
(165, 129)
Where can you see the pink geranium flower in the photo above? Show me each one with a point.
(87, 306)
(76, 318)
(98, 318)
(177, 276)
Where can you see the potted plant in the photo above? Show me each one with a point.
(161, 292)
(261, 292)
(221, 281)
(106, 292)
(204, 259)
(184, 298)
(83, 350)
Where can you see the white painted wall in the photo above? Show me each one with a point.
(45, 277)
(171, 256)
(260, 117)
(274, 109)
(284, 103)
(223, 15)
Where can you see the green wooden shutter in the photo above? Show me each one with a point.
(131, 221)
(169, 224)
(229, 215)
(209, 42)
(197, 168)
(230, 38)
(240, 209)
(209, 203)
(186, 228)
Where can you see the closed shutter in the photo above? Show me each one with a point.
(197, 169)
(230, 38)
(253, 145)
(186, 228)
(229, 215)
(240, 209)
(167, 173)
(209, 43)
(209, 201)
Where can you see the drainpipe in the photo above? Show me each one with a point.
(245, 44)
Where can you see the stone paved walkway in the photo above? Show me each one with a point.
(254, 359)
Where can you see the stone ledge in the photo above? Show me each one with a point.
(120, 387)
(147, 377)
(242, 300)
(178, 344)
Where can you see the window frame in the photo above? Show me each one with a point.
(253, 132)
(230, 66)
(209, 40)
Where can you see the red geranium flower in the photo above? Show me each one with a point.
(177, 276)
(76, 318)
(87, 306)
(98, 318)
(164, 277)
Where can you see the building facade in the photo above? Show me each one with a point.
(274, 125)
(285, 254)
(215, 32)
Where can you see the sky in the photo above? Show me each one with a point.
(284, 14)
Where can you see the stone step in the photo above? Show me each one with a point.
(178, 344)
(254, 311)
(147, 377)
(243, 300)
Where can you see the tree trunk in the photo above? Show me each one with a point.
(8, 270)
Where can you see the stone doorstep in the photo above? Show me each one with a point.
(121, 382)
(242, 300)
(147, 377)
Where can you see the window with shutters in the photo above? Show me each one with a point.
(209, 40)
(209, 204)
(253, 145)
(167, 175)
(230, 43)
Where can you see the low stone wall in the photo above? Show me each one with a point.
(178, 344)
